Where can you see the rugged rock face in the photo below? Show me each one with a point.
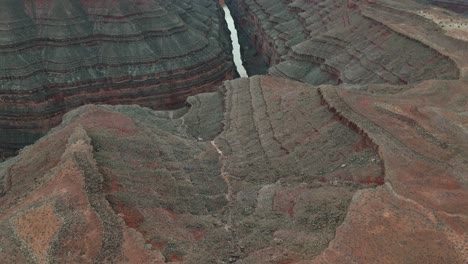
(56, 55)
(266, 169)
(421, 134)
(339, 41)
(252, 185)
(127, 183)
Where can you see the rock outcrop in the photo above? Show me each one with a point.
(330, 42)
(126, 183)
(56, 55)
(269, 181)
(421, 133)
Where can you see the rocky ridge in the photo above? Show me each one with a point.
(181, 186)
(421, 134)
(194, 185)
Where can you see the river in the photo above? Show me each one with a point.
(235, 41)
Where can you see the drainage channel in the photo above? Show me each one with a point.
(236, 53)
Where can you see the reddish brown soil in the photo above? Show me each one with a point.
(37, 228)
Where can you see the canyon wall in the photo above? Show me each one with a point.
(338, 42)
(56, 55)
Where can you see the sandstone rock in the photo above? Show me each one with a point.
(56, 55)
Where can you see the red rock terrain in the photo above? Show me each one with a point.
(127, 184)
(420, 215)
(56, 55)
(266, 169)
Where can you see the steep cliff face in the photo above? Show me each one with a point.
(339, 41)
(56, 55)
(421, 132)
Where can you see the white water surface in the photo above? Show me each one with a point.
(235, 43)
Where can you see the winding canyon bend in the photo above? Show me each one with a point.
(56, 55)
(353, 149)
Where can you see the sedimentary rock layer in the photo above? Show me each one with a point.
(340, 41)
(265, 170)
(254, 173)
(56, 55)
(459, 6)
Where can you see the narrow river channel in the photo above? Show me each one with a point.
(235, 41)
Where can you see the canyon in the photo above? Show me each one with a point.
(57, 55)
(352, 148)
(333, 42)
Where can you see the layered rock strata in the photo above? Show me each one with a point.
(56, 55)
(459, 6)
(332, 42)
(128, 184)
(265, 170)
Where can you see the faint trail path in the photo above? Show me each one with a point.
(223, 172)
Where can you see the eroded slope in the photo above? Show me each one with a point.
(421, 213)
(125, 183)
